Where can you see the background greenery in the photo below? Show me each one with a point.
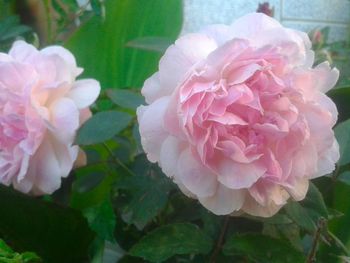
(120, 207)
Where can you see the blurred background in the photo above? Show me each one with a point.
(305, 15)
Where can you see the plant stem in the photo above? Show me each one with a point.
(220, 240)
(116, 159)
(312, 254)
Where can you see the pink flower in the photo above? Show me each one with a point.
(41, 108)
(238, 118)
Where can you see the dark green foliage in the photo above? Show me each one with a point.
(55, 233)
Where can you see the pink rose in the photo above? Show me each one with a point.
(238, 118)
(41, 108)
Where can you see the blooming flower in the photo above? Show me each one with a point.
(238, 117)
(41, 108)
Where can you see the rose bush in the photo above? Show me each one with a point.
(238, 117)
(41, 107)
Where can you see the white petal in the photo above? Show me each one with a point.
(253, 24)
(224, 201)
(21, 51)
(65, 54)
(326, 162)
(326, 77)
(169, 155)
(220, 33)
(152, 90)
(251, 207)
(64, 119)
(298, 187)
(84, 92)
(151, 119)
(52, 161)
(196, 178)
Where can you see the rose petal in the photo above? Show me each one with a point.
(237, 175)
(84, 92)
(196, 178)
(152, 131)
(224, 201)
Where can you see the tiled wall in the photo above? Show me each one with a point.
(300, 14)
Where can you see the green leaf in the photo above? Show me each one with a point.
(7, 255)
(263, 249)
(10, 27)
(290, 232)
(341, 97)
(344, 177)
(102, 220)
(158, 44)
(147, 198)
(300, 216)
(4, 248)
(102, 126)
(212, 223)
(55, 233)
(314, 201)
(89, 181)
(125, 98)
(100, 46)
(30, 257)
(342, 133)
(167, 241)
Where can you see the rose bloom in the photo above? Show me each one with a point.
(238, 118)
(41, 108)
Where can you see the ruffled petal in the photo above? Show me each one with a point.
(180, 57)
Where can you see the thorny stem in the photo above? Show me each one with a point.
(116, 159)
(311, 258)
(220, 239)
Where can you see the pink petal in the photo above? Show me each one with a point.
(236, 175)
(224, 201)
(196, 178)
(180, 57)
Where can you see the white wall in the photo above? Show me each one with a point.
(301, 14)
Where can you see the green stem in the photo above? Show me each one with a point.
(117, 161)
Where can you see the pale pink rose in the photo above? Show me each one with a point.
(238, 117)
(41, 107)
